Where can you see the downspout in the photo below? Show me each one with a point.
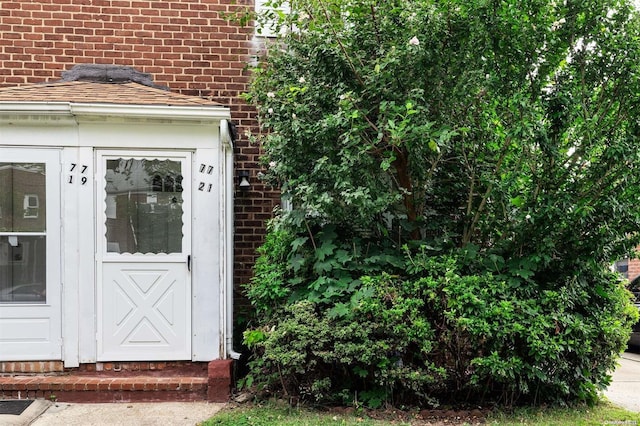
(227, 148)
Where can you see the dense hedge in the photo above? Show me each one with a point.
(437, 333)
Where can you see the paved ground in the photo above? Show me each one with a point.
(46, 413)
(625, 388)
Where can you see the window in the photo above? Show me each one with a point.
(31, 206)
(143, 206)
(622, 266)
(23, 233)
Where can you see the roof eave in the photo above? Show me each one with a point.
(94, 110)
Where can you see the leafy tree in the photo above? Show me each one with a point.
(500, 135)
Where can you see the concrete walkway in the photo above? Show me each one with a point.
(45, 413)
(624, 390)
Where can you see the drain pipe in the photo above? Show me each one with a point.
(227, 139)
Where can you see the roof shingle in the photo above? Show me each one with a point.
(86, 92)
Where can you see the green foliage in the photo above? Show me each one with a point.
(271, 415)
(510, 125)
(269, 287)
(440, 333)
(320, 267)
(374, 345)
(462, 174)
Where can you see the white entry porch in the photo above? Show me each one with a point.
(126, 254)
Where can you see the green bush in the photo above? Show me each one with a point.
(437, 333)
(498, 141)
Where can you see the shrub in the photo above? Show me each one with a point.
(497, 140)
(439, 333)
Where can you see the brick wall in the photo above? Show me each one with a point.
(634, 268)
(186, 45)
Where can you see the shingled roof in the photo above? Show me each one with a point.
(100, 84)
(91, 92)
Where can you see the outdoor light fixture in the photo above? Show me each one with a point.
(243, 180)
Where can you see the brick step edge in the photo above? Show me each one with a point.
(216, 387)
(105, 389)
(109, 397)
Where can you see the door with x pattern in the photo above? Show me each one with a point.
(144, 237)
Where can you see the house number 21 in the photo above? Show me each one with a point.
(74, 169)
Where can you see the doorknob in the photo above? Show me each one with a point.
(189, 263)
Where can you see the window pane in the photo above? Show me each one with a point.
(22, 198)
(143, 206)
(22, 269)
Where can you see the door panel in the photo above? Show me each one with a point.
(148, 316)
(30, 281)
(144, 283)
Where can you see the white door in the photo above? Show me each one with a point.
(144, 255)
(30, 281)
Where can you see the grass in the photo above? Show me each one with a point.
(601, 414)
(277, 416)
(272, 415)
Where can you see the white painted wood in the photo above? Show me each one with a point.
(85, 224)
(145, 312)
(226, 251)
(21, 134)
(206, 271)
(143, 300)
(38, 112)
(83, 133)
(171, 136)
(78, 303)
(68, 256)
(64, 129)
(33, 331)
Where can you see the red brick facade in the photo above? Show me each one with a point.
(189, 46)
(633, 268)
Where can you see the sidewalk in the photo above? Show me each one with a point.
(624, 390)
(46, 413)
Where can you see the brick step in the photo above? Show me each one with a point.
(118, 382)
(31, 367)
(102, 388)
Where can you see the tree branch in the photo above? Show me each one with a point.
(342, 48)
